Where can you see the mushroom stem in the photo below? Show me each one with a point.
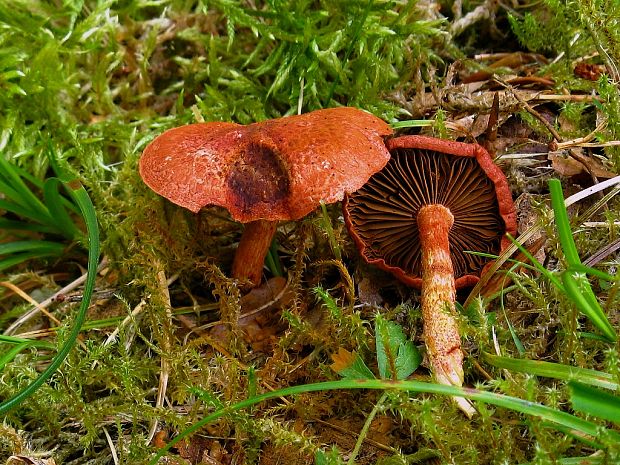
(251, 252)
(441, 333)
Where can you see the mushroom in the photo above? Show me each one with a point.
(266, 172)
(417, 218)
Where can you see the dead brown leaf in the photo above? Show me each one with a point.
(589, 71)
(199, 450)
(570, 166)
(260, 314)
(513, 61)
(342, 360)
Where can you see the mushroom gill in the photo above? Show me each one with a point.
(385, 210)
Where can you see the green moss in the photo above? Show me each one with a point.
(99, 80)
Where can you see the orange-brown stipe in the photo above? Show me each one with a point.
(441, 330)
(438, 293)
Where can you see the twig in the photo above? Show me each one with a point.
(554, 133)
(30, 300)
(112, 447)
(580, 141)
(611, 143)
(572, 42)
(480, 368)
(47, 302)
(602, 253)
(569, 97)
(457, 9)
(484, 11)
(599, 224)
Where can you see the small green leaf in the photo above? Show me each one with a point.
(408, 359)
(397, 357)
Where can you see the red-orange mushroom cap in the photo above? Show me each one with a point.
(381, 216)
(279, 169)
(265, 172)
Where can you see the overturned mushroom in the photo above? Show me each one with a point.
(417, 218)
(266, 172)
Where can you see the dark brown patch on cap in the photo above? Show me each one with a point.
(259, 176)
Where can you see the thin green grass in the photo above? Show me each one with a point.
(554, 370)
(578, 428)
(575, 282)
(38, 208)
(87, 209)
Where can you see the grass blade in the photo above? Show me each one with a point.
(537, 265)
(25, 197)
(88, 212)
(19, 345)
(20, 340)
(562, 223)
(14, 225)
(20, 251)
(567, 422)
(580, 268)
(553, 370)
(577, 287)
(12, 353)
(595, 402)
(24, 212)
(16, 259)
(42, 247)
(412, 123)
(54, 203)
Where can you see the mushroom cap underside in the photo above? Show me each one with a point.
(273, 170)
(382, 215)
